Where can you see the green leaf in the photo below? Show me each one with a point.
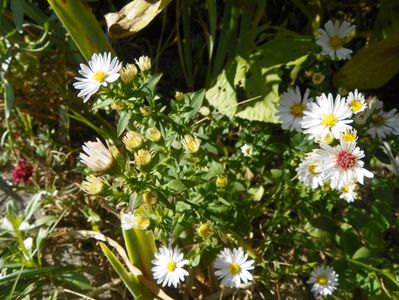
(18, 14)
(75, 280)
(222, 95)
(123, 122)
(175, 185)
(132, 282)
(257, 76)
(8, 97)
(152, 82)
(371, 67)
(182, 206)
(82, 26)
(366, 255)
(102, 104)
(195, 100)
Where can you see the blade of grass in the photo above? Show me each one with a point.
(82, 25)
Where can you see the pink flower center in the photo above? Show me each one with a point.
(346, 160)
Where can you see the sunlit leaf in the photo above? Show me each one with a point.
(133, 17)
(371, 67)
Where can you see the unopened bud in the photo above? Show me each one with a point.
(179, 96)
(146, 111)
(144, 63)
(93, 185)
(221, 181)
(153, 134)
(128, 73)
(142, 158)
(132, 140)
(150, 198)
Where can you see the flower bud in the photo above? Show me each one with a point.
(142, 158)
(132, 140)
(179, 96)
(221, 181)
(146, 111)
(128, 73)
(153, 134)
(134, 221)
(118, 105)
(318, 78)
(205, 230)
(190, 143)
(93, 185)
(144, 63)
(150, 198)
(205, 111)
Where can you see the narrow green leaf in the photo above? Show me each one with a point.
(18, 14)
(124, 119)
(75, 280)
(8, 97)
(82, 25)
(132, 282)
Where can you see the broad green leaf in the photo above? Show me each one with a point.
(175, 185)
(371, 67)
(133, 17)
(248, 87)
(82, 26)
(364, 254)
(222, 95)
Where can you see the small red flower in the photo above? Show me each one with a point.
(23, 171)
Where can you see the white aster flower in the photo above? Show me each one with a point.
(342, 164)
(291, 108)
(136, 221)
(332, 39)
(324, 280)
(356, 102)
(247, 150)
(96, 156)
(384, 124)
(310, 171)
(348, 192)
(100, 71)
(232, 267)
(168, 266)
(326, 116)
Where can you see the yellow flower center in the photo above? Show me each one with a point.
(171, 266)
(322, 280)
(348, 137)
(345, 189)
(329, 120)
(312, 169)
(297, 110)
(356, 105)
(234, 268)
(99, 76)
(336, 42)
(378, 120)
